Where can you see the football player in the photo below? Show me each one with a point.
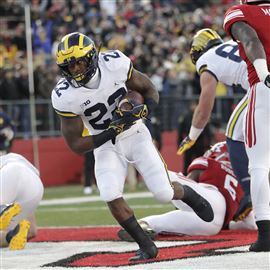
(248, 24)
(218, 61)
(211, 176)
(21, 192)
(88, 95)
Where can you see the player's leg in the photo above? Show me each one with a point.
(154, 172)
(239, 161)
(238, 156)
(195, 226)
(258, 149)
(29, 194)
(184, 220)
(110, 171)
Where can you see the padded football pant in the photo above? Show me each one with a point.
(132, 146)
(257, 140)
(185, 220)
(18, 183)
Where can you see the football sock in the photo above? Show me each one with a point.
(264, 229)
(132, 226)
(263, 242)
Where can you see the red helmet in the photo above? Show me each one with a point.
(219, 152)
(252, 1)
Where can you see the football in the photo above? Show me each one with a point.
(131, 99)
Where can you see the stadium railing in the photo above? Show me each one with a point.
(168, 113)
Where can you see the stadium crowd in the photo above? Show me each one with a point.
(156, 36)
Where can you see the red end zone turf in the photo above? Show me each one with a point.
(110, 234)
(180, 247)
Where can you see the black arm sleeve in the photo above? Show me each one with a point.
(103, 137)
(150, 103)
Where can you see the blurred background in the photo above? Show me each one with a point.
(155, 34)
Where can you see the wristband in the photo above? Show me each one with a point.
(261, 68)
(103, 137)
(194, 133)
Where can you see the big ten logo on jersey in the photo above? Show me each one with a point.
(85, 103)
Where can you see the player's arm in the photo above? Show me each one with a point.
(141, 83)
(202, 112)
(72, 130)
(204, 108)
(253, 47)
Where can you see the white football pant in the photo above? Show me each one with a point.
(19, 183)
(185, 220)
(257, 141)
(133, 146)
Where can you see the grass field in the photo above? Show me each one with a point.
(88, 213)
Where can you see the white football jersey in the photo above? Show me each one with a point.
(95, 106)
(224, 62)
(12, 157)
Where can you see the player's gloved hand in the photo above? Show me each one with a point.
(185, 145)
(140, 111)
(267, 81)
(121, 121)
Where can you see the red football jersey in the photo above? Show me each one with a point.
(220, 174)
(258, 17)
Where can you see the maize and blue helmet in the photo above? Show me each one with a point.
(202, 41)
(72, 48)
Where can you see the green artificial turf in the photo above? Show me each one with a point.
(89, 213)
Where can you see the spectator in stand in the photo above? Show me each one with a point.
(133, 27)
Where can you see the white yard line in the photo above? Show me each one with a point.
(92, 199)
(95, 208)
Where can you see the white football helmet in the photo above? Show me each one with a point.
(219, 152)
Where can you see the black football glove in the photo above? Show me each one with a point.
(140, 111)
(121, 121)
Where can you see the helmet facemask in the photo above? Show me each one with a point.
(81, 79)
